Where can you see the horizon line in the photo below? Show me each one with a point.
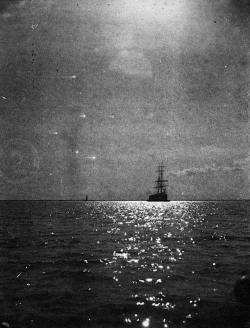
(125, 200)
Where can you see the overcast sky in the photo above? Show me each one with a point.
(94, 94)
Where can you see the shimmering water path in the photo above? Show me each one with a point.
(122, 264)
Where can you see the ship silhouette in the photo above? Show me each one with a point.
(161, 187)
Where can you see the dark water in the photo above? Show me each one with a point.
(123, 264)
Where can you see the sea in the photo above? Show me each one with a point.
(106, 264)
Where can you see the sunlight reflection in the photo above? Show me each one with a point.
(151, 243)
(146, 323)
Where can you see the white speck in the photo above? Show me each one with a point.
(55, 133)
(5, 324)
(28, 284)
(133, 261)
(121, 255)
(77, 151)
(146, 323)
(149, 279)
(34, 26)
(91, 157)
(19, 274)
(82, 115)
(4, 98)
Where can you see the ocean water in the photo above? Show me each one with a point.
(123, 264)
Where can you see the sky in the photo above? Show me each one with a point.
(95, 94)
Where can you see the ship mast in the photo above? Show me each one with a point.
(161, 183)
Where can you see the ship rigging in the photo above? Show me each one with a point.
(161, 187)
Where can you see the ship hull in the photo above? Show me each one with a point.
(161, 197)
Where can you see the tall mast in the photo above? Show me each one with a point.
(61, 187)
(160, 182)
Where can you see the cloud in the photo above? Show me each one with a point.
(210, 183)
(213, 160)
(132, 62)
(199, 170)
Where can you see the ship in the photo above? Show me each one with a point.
(161, 187)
